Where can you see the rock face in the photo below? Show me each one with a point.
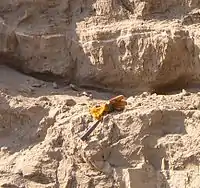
(128, 45)
(124, 45)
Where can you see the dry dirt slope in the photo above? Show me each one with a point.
(124, 45)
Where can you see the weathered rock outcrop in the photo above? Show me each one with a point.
(124, 45)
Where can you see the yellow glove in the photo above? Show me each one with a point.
(98, 111)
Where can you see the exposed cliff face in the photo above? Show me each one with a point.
(121, 44)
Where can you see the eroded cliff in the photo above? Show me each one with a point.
(130, 46)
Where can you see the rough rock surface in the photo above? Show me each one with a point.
(153, 143)
(128, 45)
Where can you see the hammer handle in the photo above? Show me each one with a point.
(90, 130)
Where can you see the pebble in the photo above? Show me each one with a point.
(196, 114)
(55, 86)
(54, 93)
(90, 96)
(74, 87)
(70, 102)
(138, 104)
(4, 149)
(36, 85)
(185, 93)
(87, 94)
(84, 93)
(145, 94)
(43, 98)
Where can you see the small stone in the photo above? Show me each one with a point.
(82, 104)
(18, 100)
(87, 94)
(164, 164)
(64, 109)
(70, 102)
(29, 170)
(90, 96)
(154, 95)
(74, 87)
(4, 149)
(179, 97)
(197, 104)
(54, 93)
(145, 94)
(196, 114)
(31, 89)
(138, 104)
(55, 86)
(22, 186)
(47, 103)
(162, 98)
(84, 93)
(185, 93)
(37, 85)
(191, 107)
(43, 98)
